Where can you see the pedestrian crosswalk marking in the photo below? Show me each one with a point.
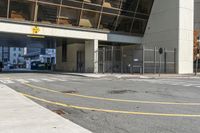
(10, 81)
(169, 82)
(46, 79)
(34, 80)
(58, 79)
(22, 80)
(7, 81)
(30, 80)
(188, 85)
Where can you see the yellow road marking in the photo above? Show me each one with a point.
(114, 100)
(109, 111)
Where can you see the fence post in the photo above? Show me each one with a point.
(122, 60)
(112, 59)
(165, 60)
(104, 55)
(155, 60)
(175, 60)
(143, 59)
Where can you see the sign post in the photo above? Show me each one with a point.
(160, 52)
(197, 59)
(197, 63)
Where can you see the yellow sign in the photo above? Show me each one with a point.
(35, 30)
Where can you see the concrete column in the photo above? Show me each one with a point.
(91, 56)
(171, 26)
(186, 32)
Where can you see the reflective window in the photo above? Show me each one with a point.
(145, 6)
(21, 10)
(89, 19)
(124, 24)
(92, 7)
(51, 1)
(108, 22)
(129, 16)
(3, 8)
(69, 16)
(47, 14)
(111, 11)
(129, 5)
(99, 2)
(73, 3)
(141, 16)
(139, 26)
(112, 3)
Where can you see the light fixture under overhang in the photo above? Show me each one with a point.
(35, 36)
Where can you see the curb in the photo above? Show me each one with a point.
(19, 114)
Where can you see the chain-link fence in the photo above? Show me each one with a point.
(155, 62)
(134, 59)
(110, 60)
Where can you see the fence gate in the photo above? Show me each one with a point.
(109, 59)
(135, 59)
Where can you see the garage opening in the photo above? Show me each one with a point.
(27, 53)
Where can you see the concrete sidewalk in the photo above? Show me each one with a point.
(19, 114)
(129, 76)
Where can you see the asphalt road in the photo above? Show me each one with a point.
(109, 105)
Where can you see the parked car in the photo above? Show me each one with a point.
(1, 66)
(38, 65)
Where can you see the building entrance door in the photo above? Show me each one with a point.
(80, 61)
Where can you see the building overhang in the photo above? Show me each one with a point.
(27, 29)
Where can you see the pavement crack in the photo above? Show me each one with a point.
(122, 130)
(121, 91)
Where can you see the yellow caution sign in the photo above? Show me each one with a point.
(35, 30)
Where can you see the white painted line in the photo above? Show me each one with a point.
(187, 85)
(58, 79)
(174, 84)
(3, 81)
(7, 81)
(10, 81)
(34, 80)
(22, 80)
(49, 80)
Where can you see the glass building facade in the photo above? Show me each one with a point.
(120, 16)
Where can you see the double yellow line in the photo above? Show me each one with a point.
(110, 99)
(109, 111)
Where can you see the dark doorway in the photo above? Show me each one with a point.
(80, 61)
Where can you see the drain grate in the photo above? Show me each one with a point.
(59, 112)
(121, 91)
(69, 91)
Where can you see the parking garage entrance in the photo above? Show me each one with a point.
(26, 53)
(82, 56)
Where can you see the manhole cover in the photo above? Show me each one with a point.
(121, 91)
